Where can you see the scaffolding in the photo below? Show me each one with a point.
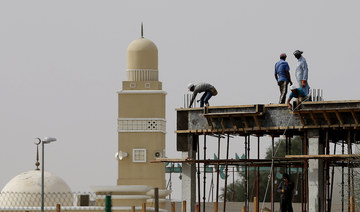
(319, 124)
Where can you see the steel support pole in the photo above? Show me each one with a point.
(42, 176)
(272, 175)
(348, 165)
(246, 174)
(204, 178)
(198, 173)
(332, 181)
(217, 173)
(226, 170)
(258, 176)
(326, 180)
(306, 172)
(342, 177)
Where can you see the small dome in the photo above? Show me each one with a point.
(142, 54)
(25, 190)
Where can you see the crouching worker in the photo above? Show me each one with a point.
(208, 90)
(296, 93)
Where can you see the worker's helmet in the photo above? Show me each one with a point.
(190, 85)
(298, 52)
(293, 87)
(283, 55)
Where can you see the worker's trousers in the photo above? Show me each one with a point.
(205, 98)
(286, 204)
(283, 91)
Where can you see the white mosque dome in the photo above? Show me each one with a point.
(142, 53)
(25, 190)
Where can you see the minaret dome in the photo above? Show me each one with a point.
(142, 54)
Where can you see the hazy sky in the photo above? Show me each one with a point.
(62, 64)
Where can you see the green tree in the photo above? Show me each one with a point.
(236, 192)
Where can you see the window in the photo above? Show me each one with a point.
(132, 85)
(147, 85)
(139, 155)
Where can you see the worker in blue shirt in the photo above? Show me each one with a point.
(296, 93)
(282, 77)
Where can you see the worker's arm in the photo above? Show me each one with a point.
(288, 76)
(279, 188)
(303, 83)
(305, 72)
(288, 103)
(192, 99)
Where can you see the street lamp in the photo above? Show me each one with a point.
(46, 140)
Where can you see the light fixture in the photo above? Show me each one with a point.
(46, 140)
(120, 155)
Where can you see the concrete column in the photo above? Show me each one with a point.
(315, 172)
(188, 190)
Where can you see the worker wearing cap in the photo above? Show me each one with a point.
(208, 90)
(282, 77)
(301, 72)
(296, 93)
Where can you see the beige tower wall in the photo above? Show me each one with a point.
(142, 105)
(141, 173)
(141, 126)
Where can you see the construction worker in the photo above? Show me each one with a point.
(282, 77)
(208, 90)
(296, 93)
(286, 189)
(301, 72)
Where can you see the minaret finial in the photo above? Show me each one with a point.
(142, 30)
(37, 164)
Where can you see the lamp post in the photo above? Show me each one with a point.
(46, 140)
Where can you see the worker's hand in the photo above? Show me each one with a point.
(290, 106)
(283, 191)
(279, 83)
(303, 83)
(290, 83)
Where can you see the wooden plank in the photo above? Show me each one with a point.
(301, 118)
(338, 156)
(326, 118)
(234, 114)
(264, 129)
(257, 121)
(174, 160)
(355, 118)
(272, 105)
(245, 122)
(209, 120)
(314, 119)
(332, 110)
(249, 162)
(222, 124)
(233, 123)
(339, 118)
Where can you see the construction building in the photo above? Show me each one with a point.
(318, 123)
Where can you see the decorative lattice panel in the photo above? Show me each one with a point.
(141, 125)
(139, 155)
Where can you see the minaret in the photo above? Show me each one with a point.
(141, 118)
